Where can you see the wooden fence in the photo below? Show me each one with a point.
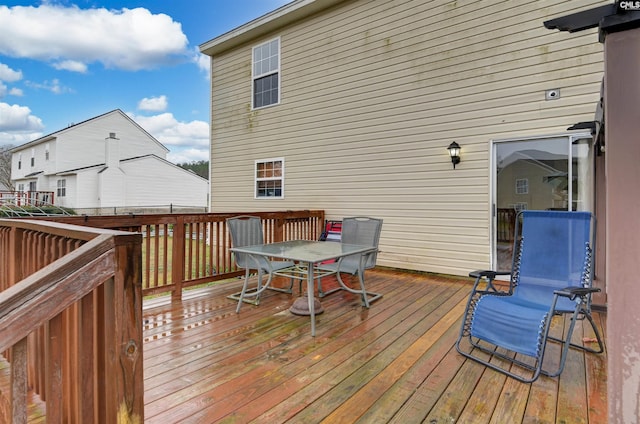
(70, 324)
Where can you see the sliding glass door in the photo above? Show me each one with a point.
(550, 173)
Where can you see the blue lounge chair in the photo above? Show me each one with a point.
(552, 274)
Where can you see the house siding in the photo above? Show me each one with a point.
(373, 92)
(178, 186)
(85, 144)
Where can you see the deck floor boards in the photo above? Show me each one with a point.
(394, 362)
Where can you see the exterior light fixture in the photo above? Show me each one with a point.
(454, 152)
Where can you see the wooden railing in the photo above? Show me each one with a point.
(70, 324)
(181, 251)
(27, 198)
(506, 222)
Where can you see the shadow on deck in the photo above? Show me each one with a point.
(394, 362)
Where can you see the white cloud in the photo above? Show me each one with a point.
(9, 75)
(71, 65)
(153, 104)
(18, 125)
(191, 139)
(129, 39)
(16, 92)
(54, 86)
(203, 61)
(188, 155)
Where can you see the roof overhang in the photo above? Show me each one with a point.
(609, 18)
(285, 15)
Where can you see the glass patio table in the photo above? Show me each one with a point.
(306, 254)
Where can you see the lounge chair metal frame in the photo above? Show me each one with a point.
(579, 293)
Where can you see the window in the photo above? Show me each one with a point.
(46, 152)
(33, 186)
(33, 157)
(522, 186)
(270, 179)
(21, 188)
(62, 188)
(19, 160)
(266, 74)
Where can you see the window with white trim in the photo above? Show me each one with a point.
(62, 188)
(269, 179)
(522, 186)
(265, 74)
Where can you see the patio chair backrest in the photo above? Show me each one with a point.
(245, 231)
(363, 231)
(555, 252)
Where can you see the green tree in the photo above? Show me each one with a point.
(200, 167)
(5, 167)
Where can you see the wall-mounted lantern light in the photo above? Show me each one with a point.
(454, 152)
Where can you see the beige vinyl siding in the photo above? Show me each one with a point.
(372, 93)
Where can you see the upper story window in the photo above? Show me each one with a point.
(19, 160)
(265, 74)
(62, 188)
(33, 157)
(522, 186)
(46, 151)
(270, 179)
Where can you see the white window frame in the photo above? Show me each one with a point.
(61, 188)
(522, 186)
(257, 74)
(263, 179)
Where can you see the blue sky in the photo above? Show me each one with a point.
(62, 62)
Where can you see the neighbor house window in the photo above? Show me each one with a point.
(270, 179)
(522, 186)
(62, 188)
(46, 151)
(33, 157)
(266, 74)
(19, 160)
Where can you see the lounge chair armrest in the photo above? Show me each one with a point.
(573, 292)
(489, 274)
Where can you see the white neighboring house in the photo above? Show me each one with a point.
(108, 161)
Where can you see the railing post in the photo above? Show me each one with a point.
(278, 230)
(19, 382)
(15, 270)
(124, 368)
(178, 254)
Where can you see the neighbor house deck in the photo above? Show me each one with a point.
(394, 362)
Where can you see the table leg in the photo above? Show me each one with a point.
(311, 297)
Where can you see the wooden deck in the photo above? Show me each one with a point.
(394, 362)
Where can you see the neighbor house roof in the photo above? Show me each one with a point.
(53, 135)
